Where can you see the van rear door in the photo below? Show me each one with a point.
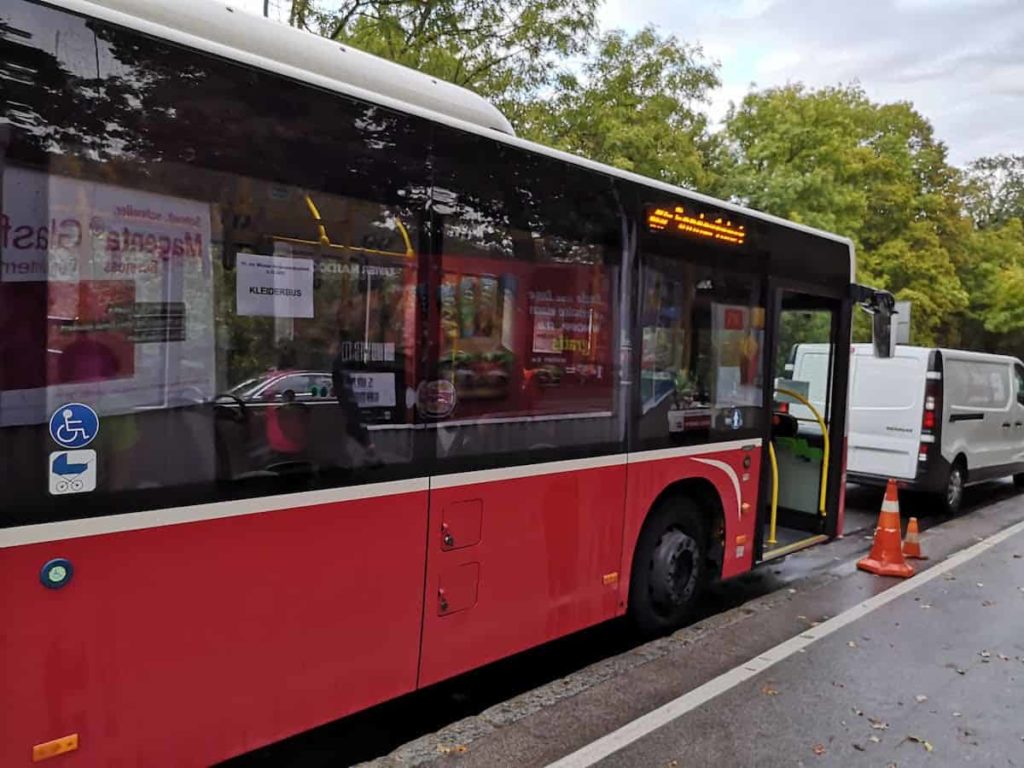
(886, 407)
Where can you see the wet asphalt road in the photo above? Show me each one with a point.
(379, 731)
(935, 677)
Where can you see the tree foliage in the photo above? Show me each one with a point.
(996, 189)
(635, 102)
(831, 158)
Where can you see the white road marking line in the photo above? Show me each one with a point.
(652, 721)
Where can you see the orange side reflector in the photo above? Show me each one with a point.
(610, 578)
(53, 748)
(741, 540)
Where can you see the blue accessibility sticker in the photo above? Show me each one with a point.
(74, 425)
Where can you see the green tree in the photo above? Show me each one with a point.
(833, 159)
(634, 102)
(503, 49)
(996, 189)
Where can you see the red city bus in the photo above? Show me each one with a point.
(318, 386)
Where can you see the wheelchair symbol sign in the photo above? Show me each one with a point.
(74, 425)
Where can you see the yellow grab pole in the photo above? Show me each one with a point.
(824, 431)
(775, 492)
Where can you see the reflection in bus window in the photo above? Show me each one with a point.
(199, 271)
(528, 301)
(702, 353)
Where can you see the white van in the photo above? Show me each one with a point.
(934, 419)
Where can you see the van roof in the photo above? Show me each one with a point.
(905, 350)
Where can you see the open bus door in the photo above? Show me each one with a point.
(805, 445)
(809, 367)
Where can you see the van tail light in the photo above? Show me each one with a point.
(922, 452)
(782, 407)
(929, 419)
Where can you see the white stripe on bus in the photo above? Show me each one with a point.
(134, 521)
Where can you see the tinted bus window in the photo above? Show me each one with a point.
(222, 264)
(529, 304)
(702, 355)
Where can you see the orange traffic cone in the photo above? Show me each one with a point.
(912, 546)
(886, 557)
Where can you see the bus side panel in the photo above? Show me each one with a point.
(186, 644)
(735, 484)
(531, 559)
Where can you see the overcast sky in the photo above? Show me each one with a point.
(961, 62)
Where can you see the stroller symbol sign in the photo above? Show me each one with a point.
(74, 425)
(72, 472)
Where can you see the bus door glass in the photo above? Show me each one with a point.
(803, 362)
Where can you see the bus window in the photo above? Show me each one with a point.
(528, 304)
(230, 287)
(702, 353)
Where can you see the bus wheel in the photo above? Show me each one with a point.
(669, 567)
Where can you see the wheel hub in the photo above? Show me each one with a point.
(674, 570)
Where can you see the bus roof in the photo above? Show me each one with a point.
(236, 35)
(238, 31)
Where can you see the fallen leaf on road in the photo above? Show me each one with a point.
(1003, 657)
(457, 749)
(1017, 557)
(818, 749)
(852, 644)
(981, 584)
(858, 747)
(925, 605)
(957, 714)
(878, 725)
(961, 671)
(920, 698)
(987, 603)
(923, 742)
(874, 739)
(985, 654)
(769, 691)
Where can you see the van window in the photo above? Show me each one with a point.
(893, 382)
(977, 384)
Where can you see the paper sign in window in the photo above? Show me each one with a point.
(274, 286)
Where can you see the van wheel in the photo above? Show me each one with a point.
(954, 494)
(669, 567)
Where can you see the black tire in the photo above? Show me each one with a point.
(953, 494)
(670, 567)
(1018, 480)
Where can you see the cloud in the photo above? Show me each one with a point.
(961, 62)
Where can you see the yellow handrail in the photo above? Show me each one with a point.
(325, 240)
(775, 491)
(824, 431)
